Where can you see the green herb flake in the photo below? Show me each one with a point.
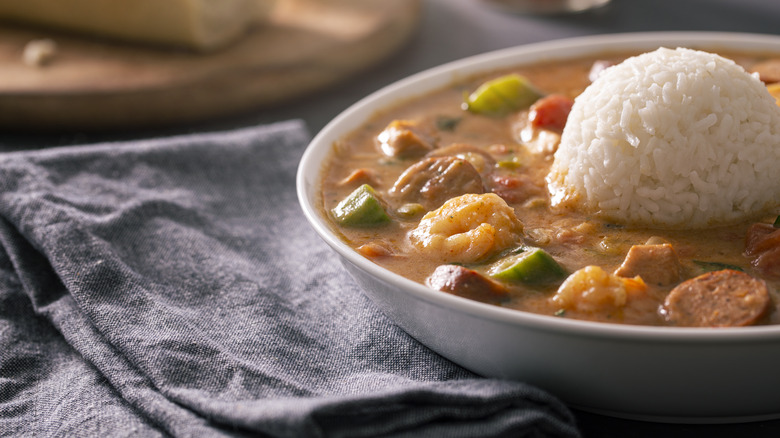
(446, 123)
(715, 266)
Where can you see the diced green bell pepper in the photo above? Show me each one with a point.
(531, 266)
(501, 96)
(362, 208)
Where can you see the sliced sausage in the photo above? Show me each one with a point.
(726, 298)
(432, 181)
(656, 264)
(466, 283)
(480, 159)
(404, 139)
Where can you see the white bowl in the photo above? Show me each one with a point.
(653, 373)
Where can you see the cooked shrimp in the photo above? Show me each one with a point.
(467, 228)
(591, 289)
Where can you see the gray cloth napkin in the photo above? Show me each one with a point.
(172, 287)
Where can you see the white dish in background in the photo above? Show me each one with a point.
(652, 373)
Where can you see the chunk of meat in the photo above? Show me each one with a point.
(404, 139)
(514, 188)
(479, 158)
(768, 71)
(431, 181)
(466, 283)
(761, 237)
(550, 112)
(762, 247)
(467, 228)
(725, 298)
(656, 264)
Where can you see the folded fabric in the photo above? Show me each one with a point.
(173, 287)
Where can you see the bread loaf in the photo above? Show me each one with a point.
(193, 24)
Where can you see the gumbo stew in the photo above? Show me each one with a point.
(449, 190)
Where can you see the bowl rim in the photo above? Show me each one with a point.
(311, 166)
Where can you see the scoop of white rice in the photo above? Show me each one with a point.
(671, 138)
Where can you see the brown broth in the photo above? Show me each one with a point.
(573, 239)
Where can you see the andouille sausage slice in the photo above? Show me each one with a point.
(467, 283)
(432, 181)
(725, 298)
(479, 158)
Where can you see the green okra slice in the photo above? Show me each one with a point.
(361, 208)
(529, 266)
(501, 96)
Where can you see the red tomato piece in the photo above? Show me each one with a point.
(550, 112)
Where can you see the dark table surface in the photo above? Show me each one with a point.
(452, 29)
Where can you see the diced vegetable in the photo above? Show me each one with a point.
(411, 210)
(550, 112)
(362, 208)
(512, 162)
(774, 90)
(768, 70)
(359, 176)
(776, 224)
(501, 96)
(374, 250)
(530, 266)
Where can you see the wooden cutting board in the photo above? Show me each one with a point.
(92, 84)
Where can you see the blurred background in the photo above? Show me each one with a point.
(351, 47)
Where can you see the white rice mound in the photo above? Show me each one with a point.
(671, 139)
